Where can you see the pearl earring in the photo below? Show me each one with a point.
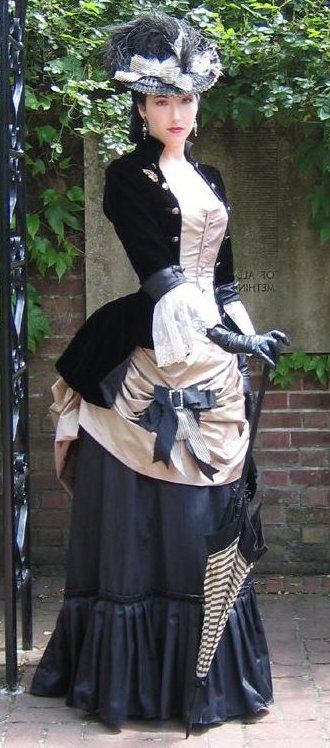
(145, 129)
(195, 128)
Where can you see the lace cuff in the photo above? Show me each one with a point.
(178, 315)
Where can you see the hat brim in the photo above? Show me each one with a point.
(151, 85)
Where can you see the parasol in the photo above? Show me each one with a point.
(233, 550)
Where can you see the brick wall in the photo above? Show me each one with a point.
(64, 304)
(292, 453)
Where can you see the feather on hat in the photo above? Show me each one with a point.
(159, 54)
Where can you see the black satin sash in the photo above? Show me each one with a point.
(161, 417)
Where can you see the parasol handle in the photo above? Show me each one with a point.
(253, 430)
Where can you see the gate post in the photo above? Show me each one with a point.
(13, 335)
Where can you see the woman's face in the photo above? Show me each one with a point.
(170, 118)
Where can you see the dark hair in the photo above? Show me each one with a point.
(136, 121)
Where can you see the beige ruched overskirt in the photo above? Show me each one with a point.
(224, 428)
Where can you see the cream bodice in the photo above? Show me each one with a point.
(201, 236)
(185, 312)
(204, 222)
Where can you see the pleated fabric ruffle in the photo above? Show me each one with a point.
(137, 659)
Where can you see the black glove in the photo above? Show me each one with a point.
(266, 347)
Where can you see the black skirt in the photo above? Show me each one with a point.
(127, 636)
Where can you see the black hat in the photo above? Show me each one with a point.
(159, 54)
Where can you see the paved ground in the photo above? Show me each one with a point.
(298, 628)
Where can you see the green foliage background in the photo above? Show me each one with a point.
(276, 61)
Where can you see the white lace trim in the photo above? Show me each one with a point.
(178, 315)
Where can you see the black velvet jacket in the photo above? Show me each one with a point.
(147, 218)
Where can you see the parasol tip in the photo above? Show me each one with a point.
(198, 683)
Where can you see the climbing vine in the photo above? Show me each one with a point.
(300, 362)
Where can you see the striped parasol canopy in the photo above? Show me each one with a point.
(226, 570)
(232, 552)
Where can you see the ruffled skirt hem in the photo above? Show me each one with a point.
(137, 659)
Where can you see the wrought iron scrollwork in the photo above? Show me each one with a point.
(14, 375)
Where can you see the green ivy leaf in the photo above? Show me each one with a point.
(243, 110)
(38, 167)
(31, 101)
(54, 216)
(324, 113)
(34, 103)
(64, 118)
(70, 65)
(298, 361)
(57, 148)
(76, 193)
(65, 163)
(61, 212)
(40, 249)
(62, 264)
(320, 370)
(38, 325)
(33, 223)
(46, 133)
(71, 220)
(49, 196)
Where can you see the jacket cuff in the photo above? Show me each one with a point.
(227, 292)
(163, 281)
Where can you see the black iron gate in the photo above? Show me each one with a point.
(13, 323)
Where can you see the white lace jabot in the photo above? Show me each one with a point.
(190, 308)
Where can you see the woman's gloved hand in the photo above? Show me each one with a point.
(267, 347)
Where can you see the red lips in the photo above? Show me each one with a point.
(175, 129)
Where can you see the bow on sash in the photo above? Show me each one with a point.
(168, 71)
(174, 414)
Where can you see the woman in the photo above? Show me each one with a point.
(163, 432)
